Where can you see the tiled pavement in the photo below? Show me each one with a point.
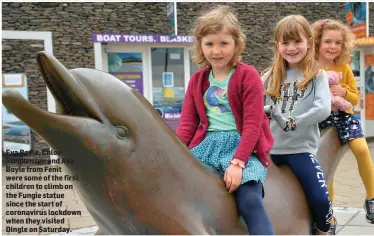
(349, 196)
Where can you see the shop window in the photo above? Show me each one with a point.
(127, 67)
(168, 83)
(193, 67)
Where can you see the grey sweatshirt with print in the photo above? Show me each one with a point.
(308, 108)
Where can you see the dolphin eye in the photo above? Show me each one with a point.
(121, 132)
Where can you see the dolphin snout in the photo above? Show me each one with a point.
(71, 95)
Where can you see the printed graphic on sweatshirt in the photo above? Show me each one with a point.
(289, 96)
(214, 97)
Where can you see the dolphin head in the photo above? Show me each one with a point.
(98, 125)
(85, 117)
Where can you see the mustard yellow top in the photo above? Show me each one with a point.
(348, 82)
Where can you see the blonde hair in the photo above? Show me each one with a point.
(348, 38)
(291, 27)
(213, 21)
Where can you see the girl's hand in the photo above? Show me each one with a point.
(338, 90)
(279, 119)
(276, 111)
(233, 176)
(268, 109)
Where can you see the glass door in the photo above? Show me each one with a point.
(168, 86)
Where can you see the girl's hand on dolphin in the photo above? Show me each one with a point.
(233, 176)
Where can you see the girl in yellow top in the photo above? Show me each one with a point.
(334, 45)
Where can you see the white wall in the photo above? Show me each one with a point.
(48, 47)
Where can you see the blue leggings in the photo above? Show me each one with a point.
(310, 175)
(251, 208)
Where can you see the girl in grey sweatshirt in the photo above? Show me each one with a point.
(297, 98)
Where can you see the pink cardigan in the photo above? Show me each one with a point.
(245, 89)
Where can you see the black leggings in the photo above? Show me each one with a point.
(251, 208)
(310, 175)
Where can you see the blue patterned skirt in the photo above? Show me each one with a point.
(217, 150)
(348, 126)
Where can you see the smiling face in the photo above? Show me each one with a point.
(331, 45)
(219, 49)
(294, 50)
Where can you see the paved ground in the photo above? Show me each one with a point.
(349, 196)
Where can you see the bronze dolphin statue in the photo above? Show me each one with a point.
(135, 175)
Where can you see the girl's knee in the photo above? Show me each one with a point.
(251, 208)
(359, 147)
(360, 151)
(247, 199)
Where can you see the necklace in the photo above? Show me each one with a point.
(328, 67)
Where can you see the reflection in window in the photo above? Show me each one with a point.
(193, 67)
(168, 83)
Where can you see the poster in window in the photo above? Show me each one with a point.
(127, 67)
